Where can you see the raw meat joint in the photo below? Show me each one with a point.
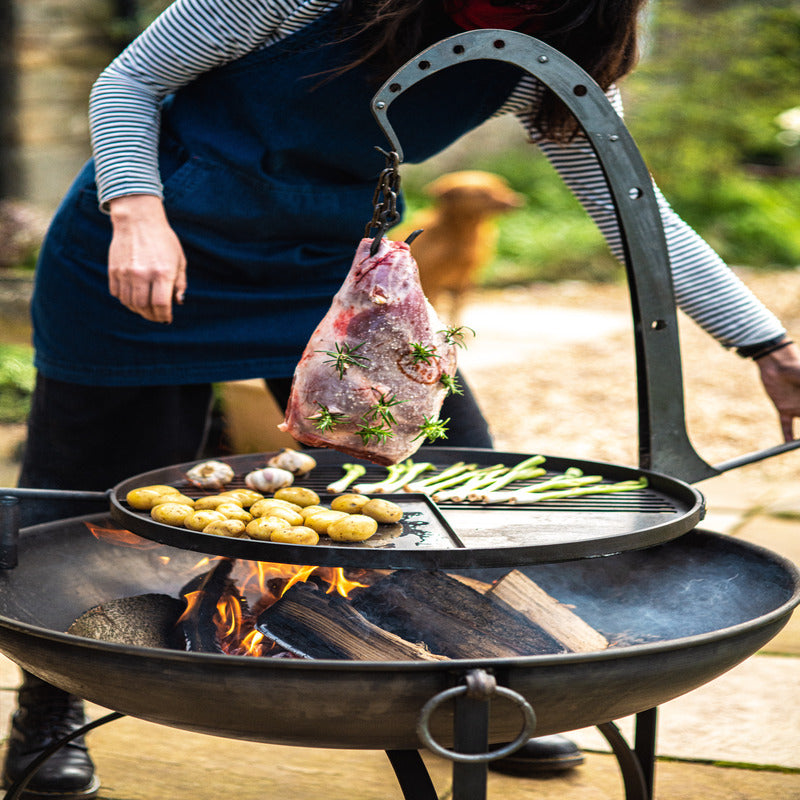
(375, 372)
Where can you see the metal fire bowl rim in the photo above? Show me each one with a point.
(684, 520)
(553, 659)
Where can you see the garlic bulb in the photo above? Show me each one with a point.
(210, 474)
(269, 479)
(293, 460)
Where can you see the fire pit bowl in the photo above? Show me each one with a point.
(677, 616)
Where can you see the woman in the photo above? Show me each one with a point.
(233, 171)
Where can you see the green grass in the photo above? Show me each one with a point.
(17, 376)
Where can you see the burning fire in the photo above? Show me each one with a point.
(258, 585)
(235, 618)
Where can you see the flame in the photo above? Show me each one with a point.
(236, 632)
(192, 602)
(253, 643)
(341, 584)
(301, 575)
(121, 537)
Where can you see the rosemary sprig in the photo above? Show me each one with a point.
(432, 429)
(455, 334)
(450, 382)
(382, 409)
(421, 353)
(325, 419)
(344, 356)
(377, 432)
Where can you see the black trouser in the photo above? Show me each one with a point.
(92, 437)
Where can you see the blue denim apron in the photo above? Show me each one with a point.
(268, 180)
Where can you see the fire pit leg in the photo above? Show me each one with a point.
(645, 746)
(412, 775)
(471, 735)
(18, 787)
(629, 764)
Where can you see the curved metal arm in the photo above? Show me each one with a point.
(664, 445)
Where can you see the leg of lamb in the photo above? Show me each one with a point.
(375, 372)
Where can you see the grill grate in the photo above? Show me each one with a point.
(638, 500)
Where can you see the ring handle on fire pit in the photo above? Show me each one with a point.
(664, 445)
(480, 686)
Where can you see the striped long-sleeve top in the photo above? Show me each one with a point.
(194, 36)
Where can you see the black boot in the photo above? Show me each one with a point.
(542, 754)
(46, 715)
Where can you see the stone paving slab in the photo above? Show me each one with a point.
(140, 761)
(749, 715)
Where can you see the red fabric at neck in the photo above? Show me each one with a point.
(475, 14)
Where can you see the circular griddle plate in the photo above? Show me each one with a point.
(450, 535)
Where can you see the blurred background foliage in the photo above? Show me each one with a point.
(713, 107)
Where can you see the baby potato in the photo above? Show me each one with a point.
(198, 520)
(352, 528)
(171, 513)
(322, 519)
(297, 534)
(234, 511)
(307, 511)
(298, 495)
(263, 508)
(245, 496)
(262, 527)
(349, 503)
(169, 497)
(214, 500)
(225, 527)
(383, 511)
(143, 498)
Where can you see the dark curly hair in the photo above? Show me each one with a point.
(599, 35)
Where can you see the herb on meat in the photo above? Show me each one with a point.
(344, 356)
(433, 429)
(455, 334)
(325, 419)
(421, 353)
(450, 382)
(376, 432)
(382, 409)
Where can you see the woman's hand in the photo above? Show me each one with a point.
(780, 374)
(146, 264)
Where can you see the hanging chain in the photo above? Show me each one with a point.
(384, 200)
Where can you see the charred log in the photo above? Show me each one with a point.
(451, 618)
(312, 624)
(201, 596)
